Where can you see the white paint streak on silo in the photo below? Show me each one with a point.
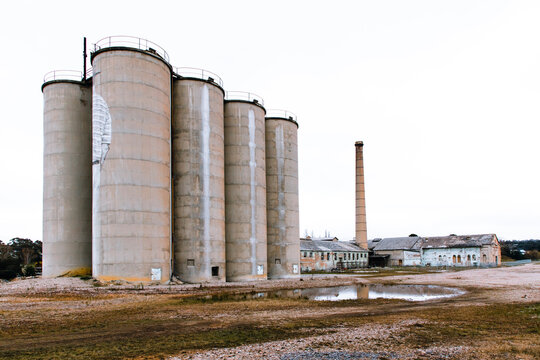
(205, 144)
(253, 195)
(101, 140)
(280, 145)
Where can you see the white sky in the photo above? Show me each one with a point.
(444, 94)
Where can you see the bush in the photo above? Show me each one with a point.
(8, 274)
(29, 270)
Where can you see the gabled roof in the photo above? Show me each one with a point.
(321, 245)
(435, 242)
(320, 238)
(454, 241)
(397, 243)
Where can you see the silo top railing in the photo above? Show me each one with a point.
(73, 75)
(198, 74)
(133, 42)
(245, 96)
(278, 113)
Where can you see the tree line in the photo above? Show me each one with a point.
(521, 249)
(20, 257)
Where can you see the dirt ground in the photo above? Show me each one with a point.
(497, 318)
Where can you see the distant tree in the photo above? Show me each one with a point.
(5, 251)
(19, 257)
(413, 235)
(532, 254)
(26, 250)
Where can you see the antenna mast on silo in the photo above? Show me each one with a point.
(84, 59)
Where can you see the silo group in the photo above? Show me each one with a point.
(153, 171)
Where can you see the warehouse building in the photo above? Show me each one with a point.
(454, 250)
(327, 254)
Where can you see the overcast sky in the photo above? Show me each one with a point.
(444, 94)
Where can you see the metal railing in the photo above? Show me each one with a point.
(278, 113)
(198, 74)
(242, 95)
(133, 42)
(63, 75)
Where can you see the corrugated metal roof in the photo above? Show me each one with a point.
(416, 243)
(398, 243)
(458, 241)
(319, 245)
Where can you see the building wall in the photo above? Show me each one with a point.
(396, 257)
(453, 257)
(492, 254)
(412, 258)
(327, 260)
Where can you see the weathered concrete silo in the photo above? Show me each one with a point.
(131, 160)
(245, 187)
(67, 175)
(283, 232)
(198, 176)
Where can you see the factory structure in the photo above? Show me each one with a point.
(329, 254)
(153, 171)
(481, 250)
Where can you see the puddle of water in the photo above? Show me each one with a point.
(377, 291)
(353, 292)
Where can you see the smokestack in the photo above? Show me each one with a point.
(361, 227)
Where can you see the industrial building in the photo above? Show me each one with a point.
(454, 250)
(327, 254)
(152, 171)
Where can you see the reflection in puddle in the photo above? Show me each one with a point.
(353, 292)
(377, 291)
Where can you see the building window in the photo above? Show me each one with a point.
(474, 257)
(335, 256)
(459, 259)
(349, 256)
(468, 257)
(311, 254)
(454, 259)
(278, 261)
(305, 254)
(190, 262)
(215, 270)
(327, 256)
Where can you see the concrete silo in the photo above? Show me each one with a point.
(245, 187)
(283, 232)
(131, 169)
(198, 176)
(67, 175)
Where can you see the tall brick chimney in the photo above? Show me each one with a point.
(361, 227)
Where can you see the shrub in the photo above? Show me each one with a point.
(29, 270)
(8, 274)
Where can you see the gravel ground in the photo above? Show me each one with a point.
(336, 344)
(515, 284)
(37, 285)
